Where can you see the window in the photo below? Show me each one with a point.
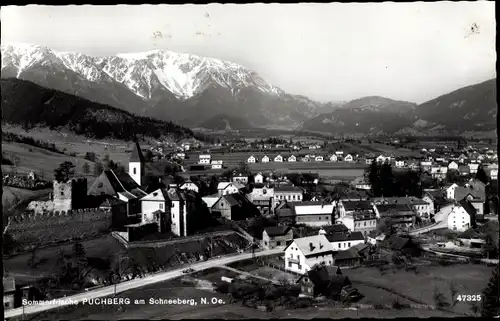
(161, 206)
(349, 244)
(293, 197)
(100, 185)
(135, 170)
(6, 304)
(300, 267)
(365, 223)
(289, 264)
(277, 243)
(222, 204)
(265, 243)
(62, 193)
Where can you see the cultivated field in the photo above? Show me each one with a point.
(468, 279)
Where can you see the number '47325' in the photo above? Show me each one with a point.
(469, 297)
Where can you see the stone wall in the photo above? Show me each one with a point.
(31, 229)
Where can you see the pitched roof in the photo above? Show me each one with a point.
(360, 247)
(313, 208)
(137, 155)
(350, 253)
(210, 200)
(471, 210)
(395, 242)
(353, 205)
(111, 201)
(285, 188)
(335, 228)
(469, 234)
(277, 230)
(313, 245)
(342, 237)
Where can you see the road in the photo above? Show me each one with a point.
(136, 283)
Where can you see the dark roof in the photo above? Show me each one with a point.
(353, 205)
(137, 155)
(111, 201)
(277, 230)
(235, 199)
(285, 188)
(341, 237)
(393, 209)
(347, 254)
(477, 192)
(468, 208)
(395, 242)
(361, 247)
(335, 228)
(285, 212)
(469, 234)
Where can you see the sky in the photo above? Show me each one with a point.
(328, 52)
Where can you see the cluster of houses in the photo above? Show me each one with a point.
(280, 158)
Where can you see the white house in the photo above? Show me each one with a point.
(318, 158)
(450, 191)
(210, 200)
(313, 213)
(400, 163)
(251, 160)
(494, 173)
(473, 167)
(258, 178)
(154, 201)
(204, 159)
(348, 158)
(380, 159)
(454, 217)
(452, 166)
(169, 202)
(180, 155)
(303, 253)
(186, 146)
(265, 159)
(278, 159)
(333, 158)
(426, 163)
(369, 161)
(240, 178)
(339, 153)
(292, 158)
(225, 188)
(216, 164)
(344, 241)
(188, 185)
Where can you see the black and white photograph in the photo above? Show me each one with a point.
(242, 161)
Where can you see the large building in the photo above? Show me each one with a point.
(287, 193)
(363, 221)
(303, 253)
(69, 195)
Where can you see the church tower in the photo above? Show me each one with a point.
(136, 164)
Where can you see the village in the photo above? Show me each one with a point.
(319, 229)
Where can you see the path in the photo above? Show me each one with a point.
(133, 284)
(248, 274)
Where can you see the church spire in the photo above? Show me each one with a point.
(137, 155)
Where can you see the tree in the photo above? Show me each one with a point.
(64, 172)
(105, 160)
(373, 176)
(148, 156)
(490, 302)
(481, 175)
(86, 168)
(98, 168)
(90, 156)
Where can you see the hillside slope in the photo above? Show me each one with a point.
(368, 115)
(225, 122)
(27, 104)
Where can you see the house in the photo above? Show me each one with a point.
(180, 155)
(462, 158)
(494, 173)
(335, 228)
(312, 213)
(363, 250)
(276, 236)
(9, 293)
(292, 158)
(348, 257)
(167, 208)
(258, 178)
(369, 161)
(380, 159)
(240, 178)
(186, 146)
(265, 159)
(397, 214)
(464, 170)
(400, 162)
(278, 159)
(473, 167)
(452, 166)
(204, 159)
(189, 185)
(318, 158)
(118, 185)
(262, 196)
(413, 166)
(401, 245)
(360, 221)
(303, 253)
(422, 208)
(287, 193)
(361, 183)
(453, 217)
(235, 207)
(343, 241)
(216, 164)
(450, 190)
(348, 158)
(333, 158)
(339, 153)
(475, 192)
(350, 206)
(251, 160)
(328, 281)
(210, 200)
(225, 188)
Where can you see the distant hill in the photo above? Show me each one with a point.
(469, 109)
(27, 104)
(368, 115)
(226, 122)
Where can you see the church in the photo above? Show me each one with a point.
(146, 193)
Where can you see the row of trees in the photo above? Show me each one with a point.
(386, 182)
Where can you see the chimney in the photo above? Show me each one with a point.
(320, 246)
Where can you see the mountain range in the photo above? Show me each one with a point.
(29, 105)
(205, 92)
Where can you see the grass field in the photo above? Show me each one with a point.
(468, 279)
